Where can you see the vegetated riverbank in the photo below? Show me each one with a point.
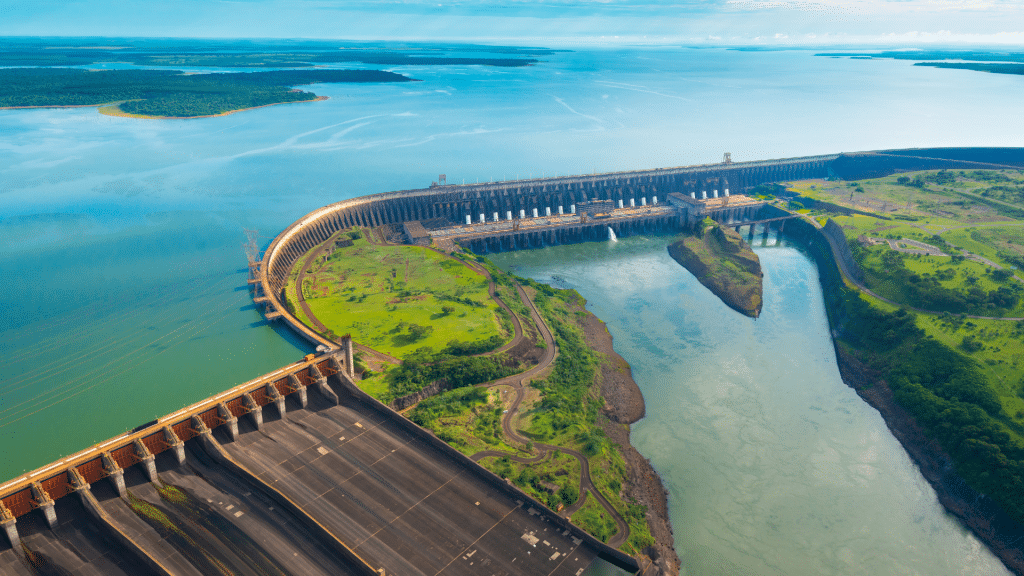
(861, 335)
(723, 263)
(514, 374)
(624, 405)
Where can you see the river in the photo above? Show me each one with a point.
(774, 466)
(124, 292)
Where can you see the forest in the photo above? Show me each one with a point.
(169, 92)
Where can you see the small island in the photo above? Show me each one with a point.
(724, 263)
(169, 93)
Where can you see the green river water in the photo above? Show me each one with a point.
(774, 466)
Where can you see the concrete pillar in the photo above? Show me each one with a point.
(522, 214)
(114, 472)
(350, 363)
(632, 203)
(276, 396)
(45, 504)
(176, 444)
(654, 200)
(704, 195)
(200, 426)
(229, 419)
(509, 215)
(294, 381)
(255, 410)
(534, 212)
(560, 211)
(10, 527)
(693, 195)
(572, 208)
(322, 386)
(482, 218)
(148, 461)
(469, 219)
(716, 193)
(495, 216)
(643, 201)
(76, 480)
(726, 191)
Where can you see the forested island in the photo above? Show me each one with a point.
(927, 314)
(517, 375)
(169, 93)
(724, 263)
(255, 54)
(978, 60)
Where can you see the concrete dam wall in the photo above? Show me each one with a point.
(325, 483)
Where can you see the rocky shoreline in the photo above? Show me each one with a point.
(624, 405)
(980, 514)
(725, 265)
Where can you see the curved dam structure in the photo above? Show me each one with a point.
(299, 472)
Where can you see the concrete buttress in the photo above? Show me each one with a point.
(45, 504)
(255, 410)
(175, 443)
(300, 389)
(229, 419)
(10, 527)
(322, 386)
(114, 472)
(276, 396)
(148, 460)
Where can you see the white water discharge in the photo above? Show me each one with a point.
(611, 235)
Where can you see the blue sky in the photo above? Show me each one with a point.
(549, 22)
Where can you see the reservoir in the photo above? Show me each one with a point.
(774, 466)
(124, 282)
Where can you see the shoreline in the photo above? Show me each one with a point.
(694, 252)
(624, 405)
(975, 511)
(111, 109)
(114, 110)
(978, 514)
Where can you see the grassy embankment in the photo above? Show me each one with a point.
(562, 409)
(431, 310)
(423, 307)
(724, 263)
(961, 378)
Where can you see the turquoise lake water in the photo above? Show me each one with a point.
(125, 296)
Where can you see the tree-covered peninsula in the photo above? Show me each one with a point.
(169, 93)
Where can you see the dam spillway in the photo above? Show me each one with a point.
(324, 482)
(335, 482)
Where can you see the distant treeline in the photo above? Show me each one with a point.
(978, 67)
(977, 60)
(169, 92)
(926, 55)
(66, 57)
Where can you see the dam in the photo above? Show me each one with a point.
(334, 481)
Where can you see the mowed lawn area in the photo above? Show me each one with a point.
(397, 299)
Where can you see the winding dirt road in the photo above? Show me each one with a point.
(517, 382)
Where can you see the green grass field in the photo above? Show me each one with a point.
(953, 206)
(397, 299)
